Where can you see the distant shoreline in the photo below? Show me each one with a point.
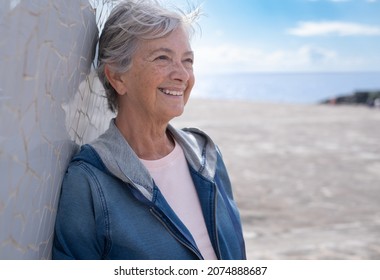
(368, 98)
(283, 72)
(302, 88)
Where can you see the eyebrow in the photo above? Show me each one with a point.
(167, 50)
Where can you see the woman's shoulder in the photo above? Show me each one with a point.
(87, 154)
(85, 160)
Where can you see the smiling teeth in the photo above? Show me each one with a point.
(172, 92)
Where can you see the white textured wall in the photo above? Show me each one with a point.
(48, 105)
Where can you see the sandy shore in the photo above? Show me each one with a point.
(306, 177)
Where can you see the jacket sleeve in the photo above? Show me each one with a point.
(79, 223)
(224, 186)
(222, 173)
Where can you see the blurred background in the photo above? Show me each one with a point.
(300, 51)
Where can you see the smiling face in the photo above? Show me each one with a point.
(158, 84)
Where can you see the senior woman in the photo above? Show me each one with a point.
(143, 189)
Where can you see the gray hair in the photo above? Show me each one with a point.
(129, 22)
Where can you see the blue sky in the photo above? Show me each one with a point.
(287, 35)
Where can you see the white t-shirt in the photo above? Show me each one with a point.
(172, 176)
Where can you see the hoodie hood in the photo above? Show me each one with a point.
(122, 161)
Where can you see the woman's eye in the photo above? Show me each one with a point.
(189, 60)
(162, 57)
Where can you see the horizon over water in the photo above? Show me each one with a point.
(283, 87)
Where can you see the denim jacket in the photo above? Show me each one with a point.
(111, 208)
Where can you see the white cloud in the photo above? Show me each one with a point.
(310, 28)
(229, 58)
(316, 56)
(235, 58)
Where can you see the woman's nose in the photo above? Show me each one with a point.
(180, 72)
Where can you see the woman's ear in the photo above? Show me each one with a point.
(115, 79)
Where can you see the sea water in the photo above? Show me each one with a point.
(284, 87)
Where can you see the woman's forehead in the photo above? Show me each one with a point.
(176, 41)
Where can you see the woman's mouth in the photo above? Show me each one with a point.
(171, 92)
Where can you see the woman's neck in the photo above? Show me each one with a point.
(149, 140)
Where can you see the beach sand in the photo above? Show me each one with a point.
(306, 177)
